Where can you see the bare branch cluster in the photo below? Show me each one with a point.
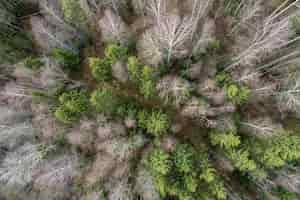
(113, 28)
(274, 34)
(171, 33)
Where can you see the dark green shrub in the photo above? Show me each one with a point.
(44, 150)
(208, 172)
(72, 105)
(159, 162)
(241, 160)
(67, 58)
(147, 82)
(218, 190)
(230, 143)
(144, 77)
(74, 14)
(33, 63)
(223, 79)
(101, 69)
(284, 194)
(225, 140)
(180, 173)
(183, 158)
(15, 43)
(215, 46)
(105, 101)
(134, 69)
(116, 53)
(60, 140)
(155, 122)
(238, 94)
(277, 151)
(128, 109)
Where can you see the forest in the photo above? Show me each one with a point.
(149, 99)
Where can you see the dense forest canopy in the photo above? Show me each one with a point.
(149, 99)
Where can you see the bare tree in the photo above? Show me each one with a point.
(172, 34)
(11, 117)
(52, 76)
(56, 37)
(55, 177)
(17, 168)
(289, 96)
(14, 135)
(113, 28)
(284, 64)
(173, 89)
(275, 34)
(52, 9)
(120, 189)
(247, 12)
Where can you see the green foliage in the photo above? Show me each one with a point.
(155, 122)
(235, 93)
(208, 173)
(104, 100)
(69, 60)
(41, 96)
(240, 159)
(161, 185)
(115, 53)
(147, 83)
(44, 150)
(183, 158)
(276, 152)
(159, 162)
(33, 63)
(238, 94)
(230, 143)
(72, 105)
(232, 7)
(177, 174)
(15, 43)
(133, 69)
(101, 69)
(144, 77)
(60, 140)
(296, 24)
(223, 79)
(215, 46)
(284, 194)
(74, 14)
(225, 140)
(128, 108)
(218, 190)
